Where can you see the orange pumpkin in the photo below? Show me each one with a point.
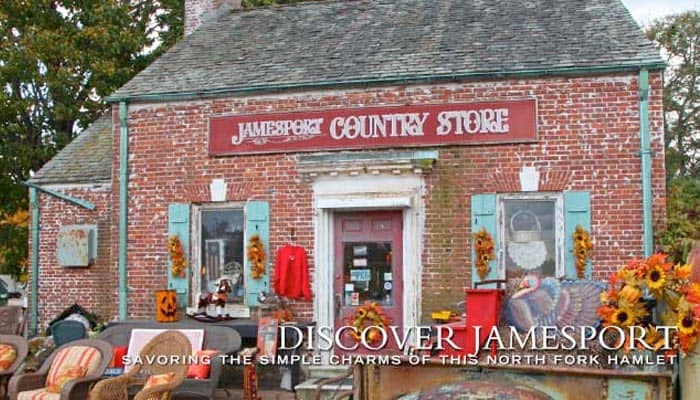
(166, 306)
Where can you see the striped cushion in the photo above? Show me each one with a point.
(38, 394)
(8, 355)
(161, 379)
(84, 356)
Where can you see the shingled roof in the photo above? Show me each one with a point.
(86, 159)
(317, 44)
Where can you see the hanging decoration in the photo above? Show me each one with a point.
(369, 316)
(484, 249)
(257, 257)
(177, 257)
(582, 249)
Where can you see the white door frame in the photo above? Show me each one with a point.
(367, 192)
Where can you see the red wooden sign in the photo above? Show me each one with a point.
(375, 127)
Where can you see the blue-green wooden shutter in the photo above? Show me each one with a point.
(179, 224)
(484, 216)
(577, 210)
(257, 222)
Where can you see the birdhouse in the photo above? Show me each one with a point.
(166, 306)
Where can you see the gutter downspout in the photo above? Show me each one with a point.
(123, 210)
(645, 153)
(34, 311)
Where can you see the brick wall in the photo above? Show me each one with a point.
(588, 128)
(94, 287)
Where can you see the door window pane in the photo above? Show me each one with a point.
(367, 273)
(530, 236)
(222, 251)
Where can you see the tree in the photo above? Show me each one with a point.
(679, 38)
(58, 60)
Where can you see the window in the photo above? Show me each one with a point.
(220, 251)
(531, 227)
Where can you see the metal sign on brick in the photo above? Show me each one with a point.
(375, 127)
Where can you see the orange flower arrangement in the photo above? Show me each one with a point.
(483, 247)
(671, 287)
(366, 317)
(582, 249)
(257, 256)
(177, 257)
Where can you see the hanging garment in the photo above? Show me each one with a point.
(291, 277)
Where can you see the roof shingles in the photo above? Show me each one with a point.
(86, 159)
(321, 42)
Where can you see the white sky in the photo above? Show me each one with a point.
(645, 11)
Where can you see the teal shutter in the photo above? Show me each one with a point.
(179, 224)
(257, 222)
(484, 216)
(577, 210)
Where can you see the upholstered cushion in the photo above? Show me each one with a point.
(201, 368)
(38, 394)
(8, 355)
(82, 356)
(161, 379)
(67, 373)
(118, 357)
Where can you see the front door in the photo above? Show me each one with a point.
(368, 266)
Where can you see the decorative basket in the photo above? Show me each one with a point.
(533, 234)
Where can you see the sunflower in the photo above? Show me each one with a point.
(656, 278)
(627, 316)
(687, 324)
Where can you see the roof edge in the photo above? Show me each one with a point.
(411, 79)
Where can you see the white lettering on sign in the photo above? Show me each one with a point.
(375, 126)
(264, 129)
(487, 120)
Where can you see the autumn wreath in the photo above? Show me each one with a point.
(369, 316)
(257, 256)
(177, 257)
(582, 249)
(483, 246)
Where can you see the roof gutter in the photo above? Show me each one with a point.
(415, 79)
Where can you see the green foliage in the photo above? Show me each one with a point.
(679, 37)
(58, 60)
(683, 218)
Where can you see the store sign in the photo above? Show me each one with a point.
(375, 127)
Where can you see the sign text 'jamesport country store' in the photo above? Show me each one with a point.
(375, 127)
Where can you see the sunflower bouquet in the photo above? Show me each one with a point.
(678, 298)
(483, 247)
(582, 249)
(178, 261)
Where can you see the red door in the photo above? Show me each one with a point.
(368, 267)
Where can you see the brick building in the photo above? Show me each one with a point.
(377, 135)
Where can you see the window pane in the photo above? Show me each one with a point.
(367, 273)
(222, 251)
(530, 233)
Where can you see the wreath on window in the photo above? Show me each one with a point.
(257, 257)
(484, 249)
(582, 249)
(177, 257)
(368, 317)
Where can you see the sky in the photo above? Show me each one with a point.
(645, 11)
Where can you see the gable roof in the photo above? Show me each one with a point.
(86, 159)
(332, 43)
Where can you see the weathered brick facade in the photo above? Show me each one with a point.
(588, 131)
(94, 287)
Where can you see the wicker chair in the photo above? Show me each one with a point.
(77, 388)
(21, 349)
(169, 343)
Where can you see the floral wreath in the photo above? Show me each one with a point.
(177, 257)
(670, 285)
(257, 256)
(483, 245)
(582, 249)
(369, 316)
